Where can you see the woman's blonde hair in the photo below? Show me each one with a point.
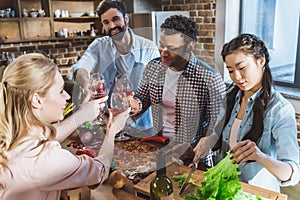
(28, 74)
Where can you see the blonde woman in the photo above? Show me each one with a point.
(32, 163)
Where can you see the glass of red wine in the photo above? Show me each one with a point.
(124, 89)
(98, 90)
(124, 85)
(119, 104)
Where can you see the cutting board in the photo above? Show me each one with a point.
(143, 187)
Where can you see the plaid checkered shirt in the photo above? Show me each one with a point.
(199, 93)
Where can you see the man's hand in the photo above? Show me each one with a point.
(82, 78)
(204, 145)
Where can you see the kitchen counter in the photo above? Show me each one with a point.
(143, 187)
(105, 191)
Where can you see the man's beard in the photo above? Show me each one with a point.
(119, 35)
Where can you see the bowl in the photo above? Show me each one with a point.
(75, 14)
(34, 14)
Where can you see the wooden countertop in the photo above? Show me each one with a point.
(143, 187)
(105, 191)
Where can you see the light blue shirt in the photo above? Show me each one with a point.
(279, 140)
(102, 56)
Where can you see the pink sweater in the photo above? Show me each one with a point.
(41, 171)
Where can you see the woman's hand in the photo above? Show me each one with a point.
(116, 123)
(90, 108)
(246, 151)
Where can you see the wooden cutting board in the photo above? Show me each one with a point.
(143, 187)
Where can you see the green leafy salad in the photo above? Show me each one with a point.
(221, 183)
(181, 178)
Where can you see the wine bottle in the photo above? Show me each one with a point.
(161, 187)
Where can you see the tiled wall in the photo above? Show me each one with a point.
(64, 52)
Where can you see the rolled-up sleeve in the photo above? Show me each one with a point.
(285, 134)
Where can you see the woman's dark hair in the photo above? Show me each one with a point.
(105, 5)
(182, 24)
(251, 45)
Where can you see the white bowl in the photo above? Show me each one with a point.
(76, 14)
(33, 14)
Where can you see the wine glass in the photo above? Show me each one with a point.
(119, 104)
(124, 85)
(98, 90)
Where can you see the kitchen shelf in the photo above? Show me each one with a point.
(40, 28)
(11, 19)
(76, 19)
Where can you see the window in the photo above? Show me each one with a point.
(276, 22)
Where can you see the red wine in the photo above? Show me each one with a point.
(127, 91)
(116, 111)
(98, 91)
(98, 96)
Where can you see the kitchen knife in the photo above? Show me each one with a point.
(186, 181)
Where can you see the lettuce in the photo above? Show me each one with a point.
(220, 183)
(181, 178)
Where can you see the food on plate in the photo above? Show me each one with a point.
(117, 179)
(132, 154)
(222, 182)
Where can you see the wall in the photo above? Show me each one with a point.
(142, 6)
(204, 13)
(64, 52)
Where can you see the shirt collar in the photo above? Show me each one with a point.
(252, 98)
(191, 64)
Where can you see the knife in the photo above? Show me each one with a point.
(186, 181)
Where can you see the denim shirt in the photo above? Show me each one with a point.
(279, 140)
(102, 55)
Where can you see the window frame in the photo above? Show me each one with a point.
(223, 37)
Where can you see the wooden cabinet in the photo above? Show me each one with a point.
(81, 15)
(37, 28)
(10, 30)
(26, 28)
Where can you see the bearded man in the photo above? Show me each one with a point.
(121, 51)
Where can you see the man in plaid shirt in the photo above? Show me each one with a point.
(185, 93)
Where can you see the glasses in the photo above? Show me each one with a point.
(171, 49)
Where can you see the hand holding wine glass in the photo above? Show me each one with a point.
(98, 88)
(119, 104)
(120, 99)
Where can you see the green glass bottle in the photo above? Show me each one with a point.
(161, 187)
